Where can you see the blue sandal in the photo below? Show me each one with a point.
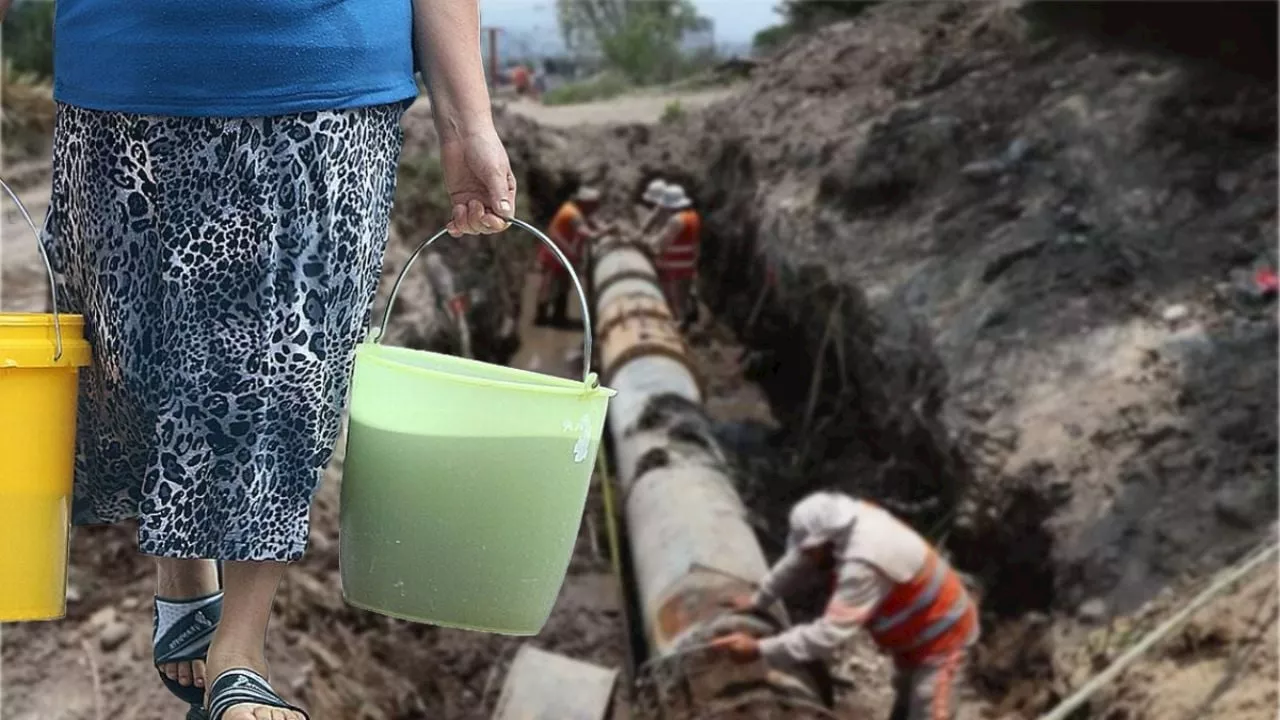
(243, 686)
(182, 631)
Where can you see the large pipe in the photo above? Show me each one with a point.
(619, 270)
(691, 546)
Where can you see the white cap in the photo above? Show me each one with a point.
(820, 518)
(673, 198)
(653, 193)
(587, 194)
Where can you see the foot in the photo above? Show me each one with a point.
(185, 580)
(220, 662)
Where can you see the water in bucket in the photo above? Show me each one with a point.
(40, 359)
(464, 485)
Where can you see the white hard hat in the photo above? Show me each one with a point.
(673, 198)
(653, 193)
(819, 518)
(587, 194)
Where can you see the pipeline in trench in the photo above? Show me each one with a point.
(682, 499)
(685, 546)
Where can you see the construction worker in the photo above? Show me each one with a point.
(884, 577)
(570, 230)
(652, 194)
(676, 252)
(522, 80)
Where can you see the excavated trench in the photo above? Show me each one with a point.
(858, 392)
(993, 281)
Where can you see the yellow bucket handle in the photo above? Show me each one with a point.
(582, 295)
(48, 266)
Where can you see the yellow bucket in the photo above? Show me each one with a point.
(40, 360)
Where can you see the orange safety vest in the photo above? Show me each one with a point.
(520, 77)
(565, 236)
(682, 253)
(931, 614)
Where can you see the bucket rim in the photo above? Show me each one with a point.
(30, 319)
(378, 353)
(424, 620)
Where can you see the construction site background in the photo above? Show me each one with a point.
(995, 266)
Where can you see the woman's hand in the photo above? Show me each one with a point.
(481, 187)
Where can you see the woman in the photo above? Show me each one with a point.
(222, 184)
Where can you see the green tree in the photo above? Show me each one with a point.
(808, 14)
(640, 38)
(803, 16)
(28, 37)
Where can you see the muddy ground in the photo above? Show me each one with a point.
(995, 278)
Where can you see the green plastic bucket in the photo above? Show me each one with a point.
(464, 482)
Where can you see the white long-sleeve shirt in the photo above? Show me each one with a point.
(859, 588)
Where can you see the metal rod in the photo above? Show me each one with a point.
(48, 266)
(564, 261)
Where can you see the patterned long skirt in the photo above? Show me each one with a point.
(225, 268)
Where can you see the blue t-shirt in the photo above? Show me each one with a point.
(232, 58)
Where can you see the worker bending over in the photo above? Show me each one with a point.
(570, 230)
(652, 210)
(884, 577)
(676, 252)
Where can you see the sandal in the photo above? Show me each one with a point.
(182, 631)
(239, 686)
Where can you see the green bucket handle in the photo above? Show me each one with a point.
(48, 266)
(587, 379)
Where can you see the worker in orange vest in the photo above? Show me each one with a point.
(520, 80)
(676, 252)
(885, 578)
(571, 228)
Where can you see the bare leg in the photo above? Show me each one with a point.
(240, 642)
(178, 579)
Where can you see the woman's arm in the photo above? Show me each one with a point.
(448, 46)
(476, 169)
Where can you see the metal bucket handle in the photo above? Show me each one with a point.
(546, 241)
(48, 266)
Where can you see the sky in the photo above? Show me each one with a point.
(534, 21)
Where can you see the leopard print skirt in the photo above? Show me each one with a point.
(225, 268)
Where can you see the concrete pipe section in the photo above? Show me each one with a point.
(691, 546)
